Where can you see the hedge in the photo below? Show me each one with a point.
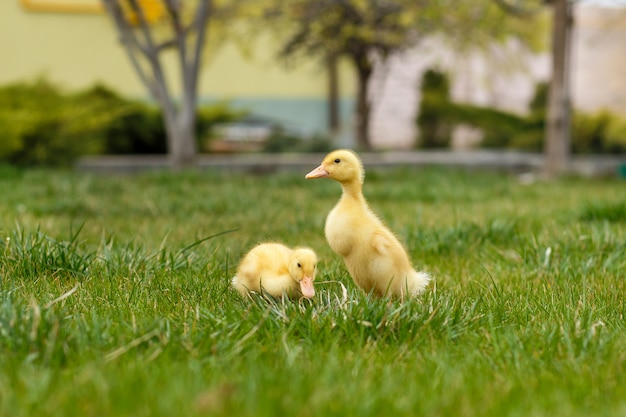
(596, 132)
(43, 125)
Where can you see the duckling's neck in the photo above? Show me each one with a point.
(352, 191)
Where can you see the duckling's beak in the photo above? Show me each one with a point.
(318, 172)
(306, 287)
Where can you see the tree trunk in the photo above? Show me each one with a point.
(182, 141)
(333, 95)
(181, 137)
(557, 143)
(364, 71)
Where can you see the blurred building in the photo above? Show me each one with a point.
(73, 43)
(503, 78)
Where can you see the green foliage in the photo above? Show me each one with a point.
(530, 136)
(138, 128)
(433, 120)
(132, 314)
(539, 102)
(599, 132)
(351, 28)
(282, 141)
(438, 115)
(46, 126)
(356, 28)
(498, 126)
(41, 125)
(477, 25)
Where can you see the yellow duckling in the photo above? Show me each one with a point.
(373, 255)
(276, 269)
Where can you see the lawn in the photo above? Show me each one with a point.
(115, 298)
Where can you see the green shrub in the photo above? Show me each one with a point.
(530, 138)
(596, 132)
(504, 129)
(43, 125)
(139, 127)
(599, 132)
(433, 120)
(438, 115)
(498, 126)
(539, 103)
(282, 141)
(616, 136)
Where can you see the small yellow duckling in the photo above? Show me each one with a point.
(276, 269)
(373, 255)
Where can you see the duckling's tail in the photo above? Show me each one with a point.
(420, 281)
(235, 283)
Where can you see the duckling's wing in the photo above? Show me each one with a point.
(383, 242)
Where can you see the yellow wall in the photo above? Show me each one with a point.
(74, 50)
(78, 49)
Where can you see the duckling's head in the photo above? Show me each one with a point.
(342, 165)
(302, 268)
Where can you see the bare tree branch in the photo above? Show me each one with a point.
(129, 42)
(141, 46)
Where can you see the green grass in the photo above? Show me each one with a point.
(114, 298)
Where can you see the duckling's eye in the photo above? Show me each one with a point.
(337, 160)
(299, 266)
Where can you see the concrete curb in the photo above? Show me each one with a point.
(588, 166)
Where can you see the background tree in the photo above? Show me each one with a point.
(149, 28)
(557, 145)
(557, 142)
(357, 30)
(368, 31)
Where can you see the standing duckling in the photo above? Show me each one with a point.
(276, 269)
(375, 259)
